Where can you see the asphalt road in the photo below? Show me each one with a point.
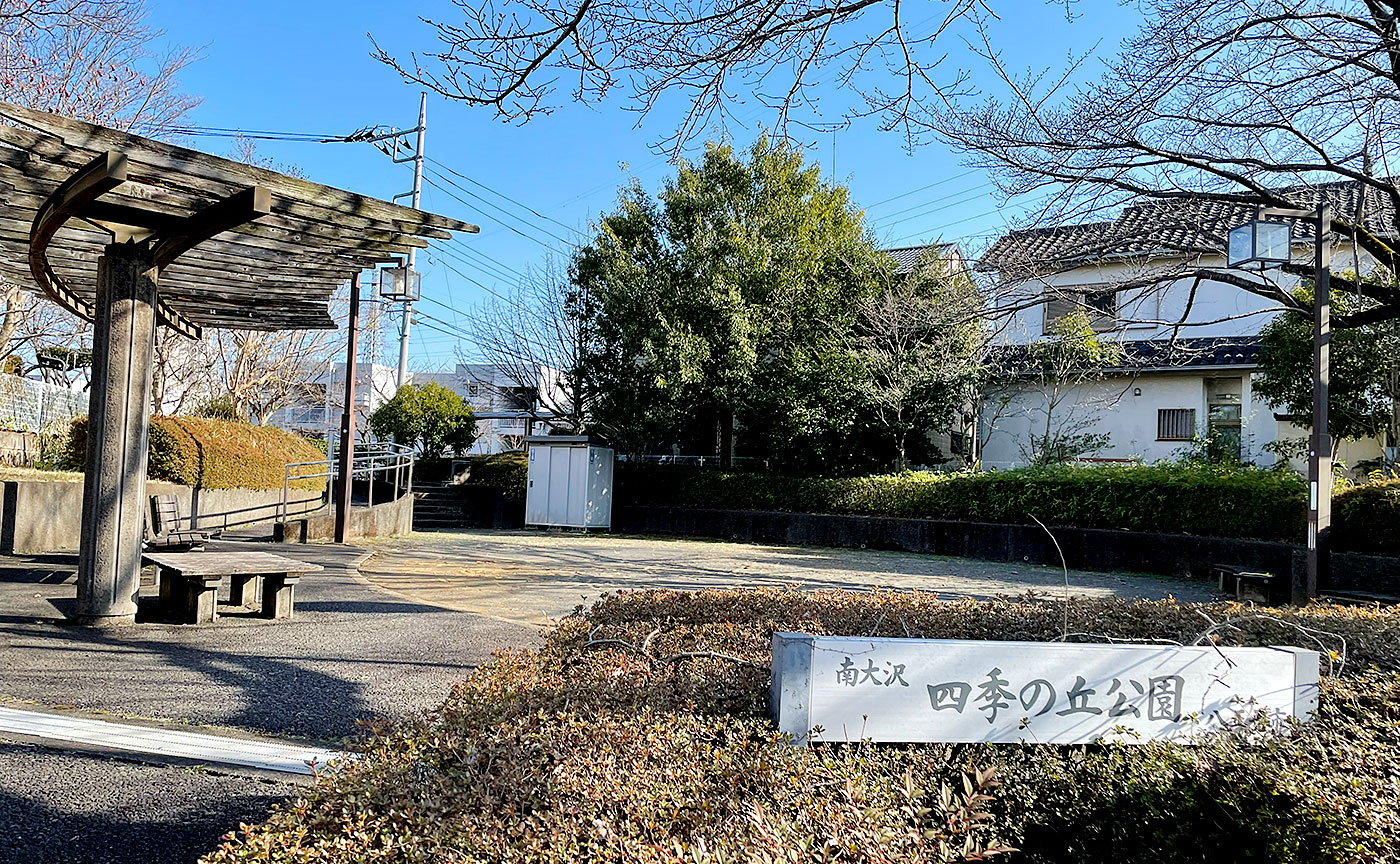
(75, 808)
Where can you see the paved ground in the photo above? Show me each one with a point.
(75, 808)
(531, 577)
(352, 652)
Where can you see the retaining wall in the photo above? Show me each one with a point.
(381, 520)
(46, 516)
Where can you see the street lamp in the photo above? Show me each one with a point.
(1268, 243)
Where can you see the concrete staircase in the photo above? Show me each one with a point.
(437, 506)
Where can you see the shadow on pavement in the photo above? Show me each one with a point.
(118, 813)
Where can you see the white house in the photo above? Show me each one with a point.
(319, 415)
(1189, 349)
(506, 411)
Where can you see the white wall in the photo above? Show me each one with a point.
(1116, 408)
(1216, 310)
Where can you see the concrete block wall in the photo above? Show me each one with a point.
(382, 520)
(45, 516)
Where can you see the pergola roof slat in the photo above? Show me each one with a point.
(266, 250)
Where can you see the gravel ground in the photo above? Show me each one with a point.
(77, 808)
(534, 576)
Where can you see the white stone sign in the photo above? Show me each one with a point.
(918, 690)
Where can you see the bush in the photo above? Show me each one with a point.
(504, 470)
(1182, 499)
(583, 751)
(1366, 519)
(213, 454)
(428, 417)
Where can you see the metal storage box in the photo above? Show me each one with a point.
(569, 483)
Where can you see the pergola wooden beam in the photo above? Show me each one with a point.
(129, 233)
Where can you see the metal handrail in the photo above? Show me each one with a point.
(369, 458)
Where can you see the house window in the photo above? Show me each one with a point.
(1176, 424)
(1101, 306)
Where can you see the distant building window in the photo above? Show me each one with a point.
(1176, 424)
(473, 390)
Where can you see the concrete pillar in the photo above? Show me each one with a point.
(114, 487)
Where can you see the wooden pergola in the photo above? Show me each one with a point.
(132, 234)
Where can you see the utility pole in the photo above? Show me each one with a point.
(412, 253)
(391, 143)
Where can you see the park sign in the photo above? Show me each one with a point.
(847, 688)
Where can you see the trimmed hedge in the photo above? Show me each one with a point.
(1366, 519)
(1171, 499)
(586, 750)
(214, 454)
(504, 470)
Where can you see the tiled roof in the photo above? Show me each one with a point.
(906, 257)
(1144, 354)
(1189, 226)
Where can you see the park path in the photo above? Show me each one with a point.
(533, 577)
(352, 653)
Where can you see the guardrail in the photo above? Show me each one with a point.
(369, 459)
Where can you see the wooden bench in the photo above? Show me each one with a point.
(189, 582)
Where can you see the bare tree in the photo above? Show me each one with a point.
(535, 336)
(921, 347)
(1212, 109)
(93, 59)
(264, 371)
(1057, 385)
(514, 55)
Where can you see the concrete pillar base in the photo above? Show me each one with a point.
(106, 620)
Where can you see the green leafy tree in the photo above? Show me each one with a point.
(729, 295)
(428, 417)
(1364, 391)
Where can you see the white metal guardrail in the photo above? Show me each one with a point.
(369, 460)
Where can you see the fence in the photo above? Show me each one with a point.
(395, 461)
(30, 405)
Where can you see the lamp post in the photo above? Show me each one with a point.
(1268, 243)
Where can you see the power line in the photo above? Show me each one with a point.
(506, 197)
(463, 201)
(920, 189)
(976, 194)
(500, 209)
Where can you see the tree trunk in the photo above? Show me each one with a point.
(726, 439)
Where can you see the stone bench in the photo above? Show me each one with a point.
(189, 582)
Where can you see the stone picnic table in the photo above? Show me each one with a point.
(189, 582)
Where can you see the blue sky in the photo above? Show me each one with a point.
(305, 66)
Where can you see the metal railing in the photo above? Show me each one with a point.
(369, 459)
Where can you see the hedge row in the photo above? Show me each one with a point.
(585, 750)
(506, 470)
(1187, 499)
(1367, 519)
(213, 454)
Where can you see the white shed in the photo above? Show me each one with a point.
(569, 482)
